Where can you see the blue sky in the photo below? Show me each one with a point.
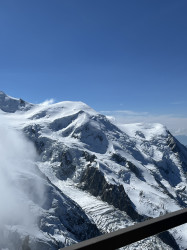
(128, 55)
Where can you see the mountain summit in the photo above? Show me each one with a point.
(11, 105)
(112, 176)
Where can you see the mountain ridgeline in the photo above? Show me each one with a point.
(98, 176)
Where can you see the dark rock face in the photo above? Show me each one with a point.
(140, 134)
(67, 167)
(118, 159)
(172, 143)
(94, 181)
(88, 157)
(123, 162)
(22, 102)
(168, 239)
(33, 132)
(135, 170)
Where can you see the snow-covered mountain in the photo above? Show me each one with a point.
(98, 177)
(11, 105)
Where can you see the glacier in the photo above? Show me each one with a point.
(97, 176)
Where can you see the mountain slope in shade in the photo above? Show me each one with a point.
(117, 175)
(11, 105)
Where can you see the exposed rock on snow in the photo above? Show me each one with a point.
(93, 180)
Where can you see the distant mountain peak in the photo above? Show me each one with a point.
(11, 105)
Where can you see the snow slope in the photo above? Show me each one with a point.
(118, 175)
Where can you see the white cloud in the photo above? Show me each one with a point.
(20, 184)
(48, 102)
(176, 124)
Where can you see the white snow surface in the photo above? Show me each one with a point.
(155, 183)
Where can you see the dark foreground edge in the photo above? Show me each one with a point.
(133, 233)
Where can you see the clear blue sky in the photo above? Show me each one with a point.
(110, 54)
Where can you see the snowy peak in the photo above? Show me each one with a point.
(144, 131)
(59, 110)
(73, 121)
(11, 105)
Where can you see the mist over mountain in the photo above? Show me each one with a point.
(94, 176)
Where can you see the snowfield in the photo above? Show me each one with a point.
(96, 176)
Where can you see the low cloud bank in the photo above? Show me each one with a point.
(20, 186)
